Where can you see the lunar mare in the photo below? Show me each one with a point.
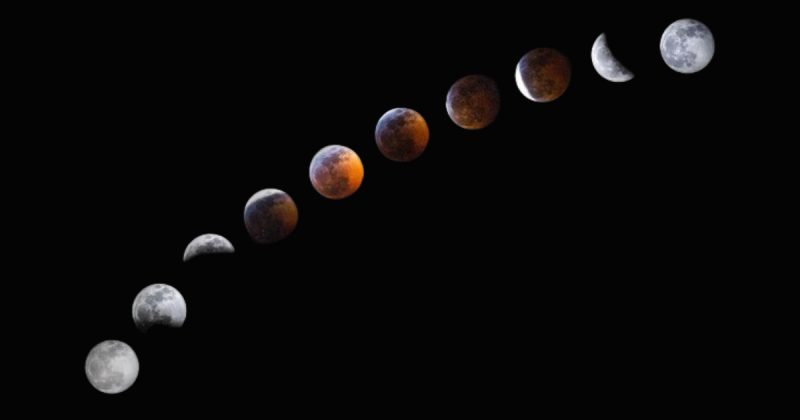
(209, 243)
(473, 102)
(270, 215)
(606, 65)
(687, 46)
(112, 366)
(336, 172)
(159, 304)
(402, 134)
(543, 74)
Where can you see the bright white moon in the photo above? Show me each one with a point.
(112, 366)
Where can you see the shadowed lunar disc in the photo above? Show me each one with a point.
(473, 102)
(543, 74)
(112, 367)
(402, 134)
(336, 172)
(269, 216)
(210, 243)
(687, 46)
(606, 65)
(159, 304)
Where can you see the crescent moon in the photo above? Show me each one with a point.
(606, 64)
(521, 83)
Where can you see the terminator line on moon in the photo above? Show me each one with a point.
(112, 366)
(606, 65)
(209, 243)
(336, 172)
(159, 304)
(402, 135)
(269, 216)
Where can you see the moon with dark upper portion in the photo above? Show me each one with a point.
(112, 367)
(269, 216)
(159, 304)
(402, 134)
(336, 172)
(687, 46)
(543, 74)
(210, 243)
(473, 102)
(606, 65)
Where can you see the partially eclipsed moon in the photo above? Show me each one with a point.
(606, 65)
(543, 74)
(159, 304)
(270, 215)
(210, 243)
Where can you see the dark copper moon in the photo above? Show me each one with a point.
(473, 102)
(269, 216)
(402, 134)
(543, 74)
(336, 172)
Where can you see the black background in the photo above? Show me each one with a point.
(551, 256)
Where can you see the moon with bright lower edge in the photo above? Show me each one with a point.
(606, 65)
(687, 46)
(209, 243)
(270, 215)
(336, 172)
(112, 367)
(159, 304)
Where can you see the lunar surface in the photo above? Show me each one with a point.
(543, 74)
(473, 102)
(112, 366)
(159, 304)
(402, 134)
(336, 172)
(269, 216)
(687, 46)
(607, 66)
(210, 243)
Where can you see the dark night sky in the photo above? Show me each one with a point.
(546, 255)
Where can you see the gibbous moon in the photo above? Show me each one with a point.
(687, 46)
(269, 216)
(402, 134)
(112, 367)
(473, 102)
(210, 243)
(543, 74)
(159, 304)
(336, 172)
(606, 65)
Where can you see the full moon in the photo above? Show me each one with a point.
(606, 65)
(473, 102)
(543, 74)
(336, 172)
(402, 134)
(269, 216)
(159, 304)
(210, 243)
(687, 46)
(112, 367)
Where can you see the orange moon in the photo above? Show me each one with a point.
(336, 172)
(402, 134)
(543, 74)
(473, 102)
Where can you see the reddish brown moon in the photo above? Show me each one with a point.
(543, 74)
(473, 102)
(402, 134)
(269, 216)
(336, 172)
